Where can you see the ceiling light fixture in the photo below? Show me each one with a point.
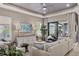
(44, 8)
(67, 5)
(44, 4)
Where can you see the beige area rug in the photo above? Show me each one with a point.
(74, 51)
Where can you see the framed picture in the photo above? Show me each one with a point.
(25, 27)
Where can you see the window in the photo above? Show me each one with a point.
(53, 29)
(58, 29)
(63, 29)
(4, 31)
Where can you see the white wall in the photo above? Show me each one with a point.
(17, 18)
(70, 17)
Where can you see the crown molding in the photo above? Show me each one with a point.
(19, 10)
(74, 9)
(61, 12)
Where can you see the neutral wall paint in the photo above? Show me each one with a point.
(70, 17)
(16, 9)
(17, 18)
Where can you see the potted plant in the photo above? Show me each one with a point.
(43, 31)
(10, 51)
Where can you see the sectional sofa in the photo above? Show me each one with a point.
(59, 48)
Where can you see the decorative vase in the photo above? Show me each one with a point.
(38, 39)
(38, 36)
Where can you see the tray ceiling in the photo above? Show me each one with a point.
(37, 7)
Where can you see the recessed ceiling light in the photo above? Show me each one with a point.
(67, 5)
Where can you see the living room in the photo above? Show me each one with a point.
(37, 34)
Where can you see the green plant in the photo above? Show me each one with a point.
(43, 31)
(2, 52)
(11, 51)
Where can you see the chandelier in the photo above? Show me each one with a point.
(44, 8)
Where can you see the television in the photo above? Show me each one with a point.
(25, 27)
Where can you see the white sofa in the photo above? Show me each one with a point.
(59, 48)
